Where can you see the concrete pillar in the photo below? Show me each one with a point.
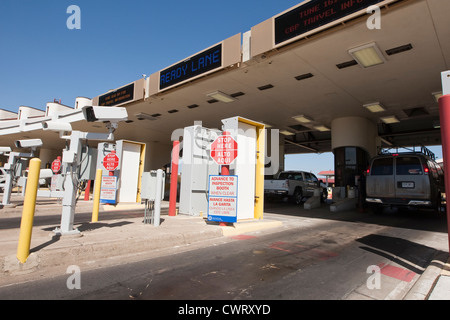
(354, 141)
(81, 102)
(355, 132)
(48, 155)
(157, 155)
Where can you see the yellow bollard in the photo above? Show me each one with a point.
(26, 225)
(97, 189)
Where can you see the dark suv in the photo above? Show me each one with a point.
(405, 179)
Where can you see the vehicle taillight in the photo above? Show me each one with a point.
(425, 168)
(368, 170)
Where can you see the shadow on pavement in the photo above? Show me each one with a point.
(408, 218)
(410, 255)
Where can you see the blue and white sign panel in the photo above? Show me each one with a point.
(222, 198)
(108, 189)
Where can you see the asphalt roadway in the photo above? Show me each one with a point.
(405, 252)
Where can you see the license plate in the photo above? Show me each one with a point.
(408, 185)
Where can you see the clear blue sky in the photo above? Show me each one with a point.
(41, 59)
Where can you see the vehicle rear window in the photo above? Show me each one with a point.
(285, 175)
(382, 167)
(408, 166)
(290, 176)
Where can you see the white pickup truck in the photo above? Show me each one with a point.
(295, 185)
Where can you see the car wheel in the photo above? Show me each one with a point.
(297, 197)
(438, 206)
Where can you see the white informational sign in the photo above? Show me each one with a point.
(222, 198)
(108, 189)
(54, 183)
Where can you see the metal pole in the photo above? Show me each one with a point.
(87, 191)
(70, 186)
(174, 179)
(8, 180)
(444, 114)
(224, 171)
(158, 196)
(26, 225)
(97, 190)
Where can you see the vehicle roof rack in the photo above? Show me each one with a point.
(408, 150)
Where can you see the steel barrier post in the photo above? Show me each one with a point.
(444, 115)
(26, 224)
(174, 179)
(97, 190)
(158, 196)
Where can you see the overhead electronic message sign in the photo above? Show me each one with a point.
(118, 96)
(315, 14)
(195, 66)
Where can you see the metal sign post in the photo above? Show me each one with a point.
(444, 115)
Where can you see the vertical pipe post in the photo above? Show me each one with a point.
(224, 171)
(8, 181)
(158, 197)
(97, 190)
(26, 224)
(87, 191)
(444, 114)
(174, 179)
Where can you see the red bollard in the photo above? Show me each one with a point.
(444, 115)
(87, 191)
(174, 179)
(225, 171)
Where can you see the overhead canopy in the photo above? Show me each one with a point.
(312, 74)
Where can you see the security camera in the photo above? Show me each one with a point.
(5, 149)
(112, 114)
(30, 143)
(56, 126)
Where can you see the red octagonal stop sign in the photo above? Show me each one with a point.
(224, 150)
(111, 161)
(56, 165)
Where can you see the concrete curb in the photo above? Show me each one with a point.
(424, 285)
(88, 252)
(77, 252)
(343, 205)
